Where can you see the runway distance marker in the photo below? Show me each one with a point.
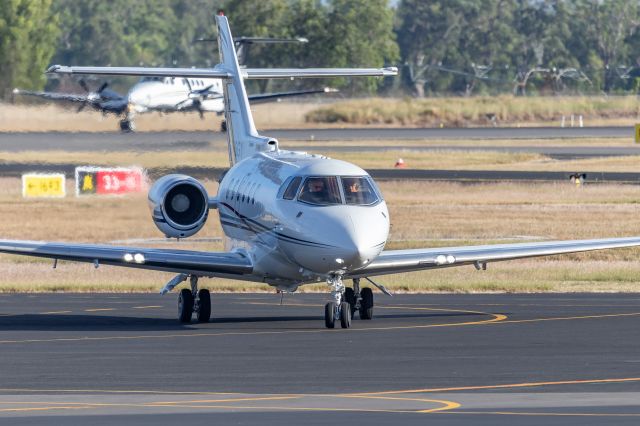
(46, 185)
(109, 180)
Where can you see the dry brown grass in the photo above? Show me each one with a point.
(477, 111)
(423, 214)
(324, 112)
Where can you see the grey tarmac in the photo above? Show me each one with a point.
(486, 359)
(311, 139)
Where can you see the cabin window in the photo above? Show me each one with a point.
(321, 191)
(292, 188)
(358, 191)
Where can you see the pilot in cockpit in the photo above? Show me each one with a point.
(316, 191)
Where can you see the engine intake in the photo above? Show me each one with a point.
(179, 205)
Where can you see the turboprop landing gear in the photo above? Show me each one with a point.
(194, 300)
(339, 308)
(127, 125)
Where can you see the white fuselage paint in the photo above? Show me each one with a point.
(292, 242)
(173, 94)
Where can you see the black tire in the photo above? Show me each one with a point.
(350, 298)
(126, 126)
(345, 315)
(366, 304)
(223, 126)
(185, 305)
(204, 305)
(330, 315)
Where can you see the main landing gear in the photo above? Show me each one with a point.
(194, 300)
(346, 302)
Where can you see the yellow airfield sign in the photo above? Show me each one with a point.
(43, 185)
(637, 133)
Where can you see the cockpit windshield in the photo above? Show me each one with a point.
(321, 190)
(329, 190)
(358, 191)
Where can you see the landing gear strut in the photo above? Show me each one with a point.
(339, 308)
(194, 300)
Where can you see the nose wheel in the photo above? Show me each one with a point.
(194, 300)
(332, 314)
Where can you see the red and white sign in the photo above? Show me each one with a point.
(109, 181)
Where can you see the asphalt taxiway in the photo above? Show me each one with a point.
(171, 140)
(437, 359)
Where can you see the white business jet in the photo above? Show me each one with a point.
(169, 94)
(290, 218)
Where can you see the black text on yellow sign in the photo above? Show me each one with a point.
(43, 185)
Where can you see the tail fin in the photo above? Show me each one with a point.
(242, 136)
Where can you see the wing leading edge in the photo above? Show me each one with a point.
(227, 264)
(396, 261)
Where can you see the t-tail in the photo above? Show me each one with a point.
(242, 136)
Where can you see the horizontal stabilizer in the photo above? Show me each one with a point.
(261, 73)
(221, 72)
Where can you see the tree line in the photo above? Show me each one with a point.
(441, 47)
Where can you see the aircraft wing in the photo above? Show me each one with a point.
(201, 263)
(265, 97)
(395, 261)
(53, 96)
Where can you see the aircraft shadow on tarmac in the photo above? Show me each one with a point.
(57, 322)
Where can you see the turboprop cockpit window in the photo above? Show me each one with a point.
(321, 191)
(358, 191)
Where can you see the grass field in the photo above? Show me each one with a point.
(324, 111)
(478, 111)
(423, 214)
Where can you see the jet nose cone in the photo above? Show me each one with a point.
(365, 241)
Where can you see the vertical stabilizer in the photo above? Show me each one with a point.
(242, 136)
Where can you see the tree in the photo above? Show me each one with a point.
(28, 32)
(606, 28)
(426, 32)
(360, 34)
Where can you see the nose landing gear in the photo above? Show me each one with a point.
(340, 307)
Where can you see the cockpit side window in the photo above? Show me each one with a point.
(292, 189)
(321, 191)
(358, 191)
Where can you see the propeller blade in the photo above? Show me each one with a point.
(104, 86)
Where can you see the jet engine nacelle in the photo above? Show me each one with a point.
(179, 205)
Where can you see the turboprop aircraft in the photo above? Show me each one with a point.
(169, 94)
(289, 218)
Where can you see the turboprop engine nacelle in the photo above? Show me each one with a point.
(179, 205)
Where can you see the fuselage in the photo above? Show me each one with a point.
(171, 94)
(302, 217)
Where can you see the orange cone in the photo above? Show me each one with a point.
(400, 164)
